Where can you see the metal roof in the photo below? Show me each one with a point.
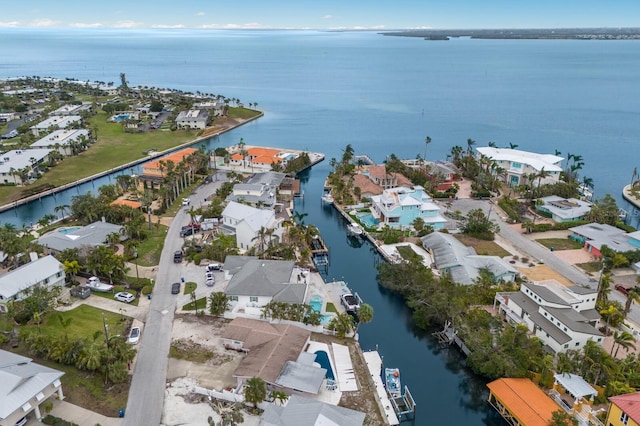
(575, 385)
(301, 411)
(28, 275)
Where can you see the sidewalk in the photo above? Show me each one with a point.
(80, 416)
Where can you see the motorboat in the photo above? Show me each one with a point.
(354, 229)
(392, 382)
(327, 198)
(94, 284)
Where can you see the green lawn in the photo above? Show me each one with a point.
(560, 243)
(149, 250)
(330, 307)
(590, 267)
(116, 289)
(407, 253)
(482, 247)
(200, 303)
(190, 287)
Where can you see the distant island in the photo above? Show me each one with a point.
(526, 34)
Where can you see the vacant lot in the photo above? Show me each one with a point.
(482, 247)
(560, 243)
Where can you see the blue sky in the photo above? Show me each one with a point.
(327, 14)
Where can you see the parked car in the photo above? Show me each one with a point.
(125, 297)
(213, 267)
(22, 421)
(350, 302)
(134, 335)
(175, 288)
(195, 226)
(623, 289)
(177, 257)
(187, 232)
(186, 201)
(209, 279)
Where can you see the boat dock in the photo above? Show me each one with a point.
(374, 364)
(319, 253)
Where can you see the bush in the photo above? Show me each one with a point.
(57, 421)
(147, 289)
(624, 227)
(197, 258)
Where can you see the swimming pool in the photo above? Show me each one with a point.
(322, 358)
(368, 220)
(121, 117)
(316, 303)
(326, 319)
(68, 230)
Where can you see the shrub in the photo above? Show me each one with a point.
(56, 421)
(147, 289)
(197, 258)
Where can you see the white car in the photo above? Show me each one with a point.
(134, 335)
(186, 201)
(209, 279)
(125, 297)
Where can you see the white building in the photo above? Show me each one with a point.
(56, 122)
(193, 119)
(519, 164)
(63, 139)
(562, 209)
(400, 207)
(247, 223)
(561, 317)
(70, 109)
(12, 162)
(45, 271)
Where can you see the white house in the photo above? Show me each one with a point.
(63, 139)
(561, 317)
(519, 164)
(24, 386)
(399, 207)
(193, 119)
(301, 411)
(71, 109)
(13, 162)
(45, 271)
(55, 121)
(255, 282)
(251, 225)
(562, 209)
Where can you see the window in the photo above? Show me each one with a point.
(516, 165)
(566, 346)
(233, 298)
(253, 299)
(624, 418)
(577, 343)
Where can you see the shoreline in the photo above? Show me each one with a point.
(626, 194)
(53, 191)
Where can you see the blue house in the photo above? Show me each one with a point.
(399, 207)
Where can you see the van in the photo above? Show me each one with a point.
(177, 257)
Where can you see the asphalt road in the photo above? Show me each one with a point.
(146, 394)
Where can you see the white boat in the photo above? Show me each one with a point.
(585, 191)
(327, 198)
(95, 285)
(392, 382)
(622, 214)
(354, 229)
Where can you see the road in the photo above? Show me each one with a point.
(146, 394)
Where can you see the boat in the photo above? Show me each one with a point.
(94, 284)
(585, 191)
(354, 229)
(327, 198)
(622, 215)
(392, 382)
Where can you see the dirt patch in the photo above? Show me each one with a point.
(543, 272)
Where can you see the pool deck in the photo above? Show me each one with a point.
(345, 376)
(326, 395)
(374, 364)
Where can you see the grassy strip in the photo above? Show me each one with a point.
(190, 287)
(200, 303)
(189, 351)
(330, 307)
(85, 320)
(591, 267)
(482, 247)
(407, 253)
(560, 243)
(149, 250)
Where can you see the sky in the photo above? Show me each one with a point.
(320, 14)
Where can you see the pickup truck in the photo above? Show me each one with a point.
(350, 302)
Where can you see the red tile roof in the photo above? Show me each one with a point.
(629, 403)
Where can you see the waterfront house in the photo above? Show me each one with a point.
(155, 171)
(378, 174)
(192, 119)
(66, 141)
(24, 387)
(309, 412)
(217, 106)
(274, 352)
(563, 209)
(520, 164)
(462, 263)
(521, 402)
(596, 235)
(19, 164)
(260, 158)
(45, 271)
(255, 282)
(81, 238)
(251, 226)
(367, 187)
(624, 410)
(399, 207)
(561, 317)
(56, 122)
(261, 189)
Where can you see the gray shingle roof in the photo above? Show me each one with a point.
(267, 278)
(301, 411)
(91, 235)
(29, 274)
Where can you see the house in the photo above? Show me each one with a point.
(378, 174)
(55, 122)
(301, 411)
(562, 209)
(561, 317)
(24, 386)
(215, 105)
(520, 164)
(17, 166)
(45, 271)
(251, 226)
(65, 141)
(274, 352)
(367, 187)
(155, 171)
(462, 263)
(624, 410)
(399, 207)
(193, 119)
(86, 237)
(259, 157)
(72, 109)
(256, 194)
(596, 235)
(521, 402)
(6, 117)
(255, 282)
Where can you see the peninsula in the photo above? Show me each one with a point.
(525, 33)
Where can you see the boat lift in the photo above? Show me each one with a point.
(404, 405)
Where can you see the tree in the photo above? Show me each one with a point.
(562, 418)
(342, 324)
(255, 391)
(61, 209)
(71, 268)
(365, 315)
(479, 226)
(218, 303)
(622, 339)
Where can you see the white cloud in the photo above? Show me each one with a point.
(163, 26)
(200, 14)
(45, 22)
(247, 26)
(9, 24)
(327, 17)
(127, 24)
(85, 25)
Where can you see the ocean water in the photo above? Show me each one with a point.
(323, 90)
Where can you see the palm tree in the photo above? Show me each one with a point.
(342, 324)
(365, 315)
(632, 296)
(427, 141)
(255, 390)
(61, 209)
(513, 145)
(470, 144)
(622, 339)
(218, 303)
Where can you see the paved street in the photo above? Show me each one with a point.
(146, 395)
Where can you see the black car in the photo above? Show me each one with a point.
(175, 288)
(187, 232)
(177, 257)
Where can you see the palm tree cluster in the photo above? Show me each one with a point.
(303, 313)
(176, 178)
